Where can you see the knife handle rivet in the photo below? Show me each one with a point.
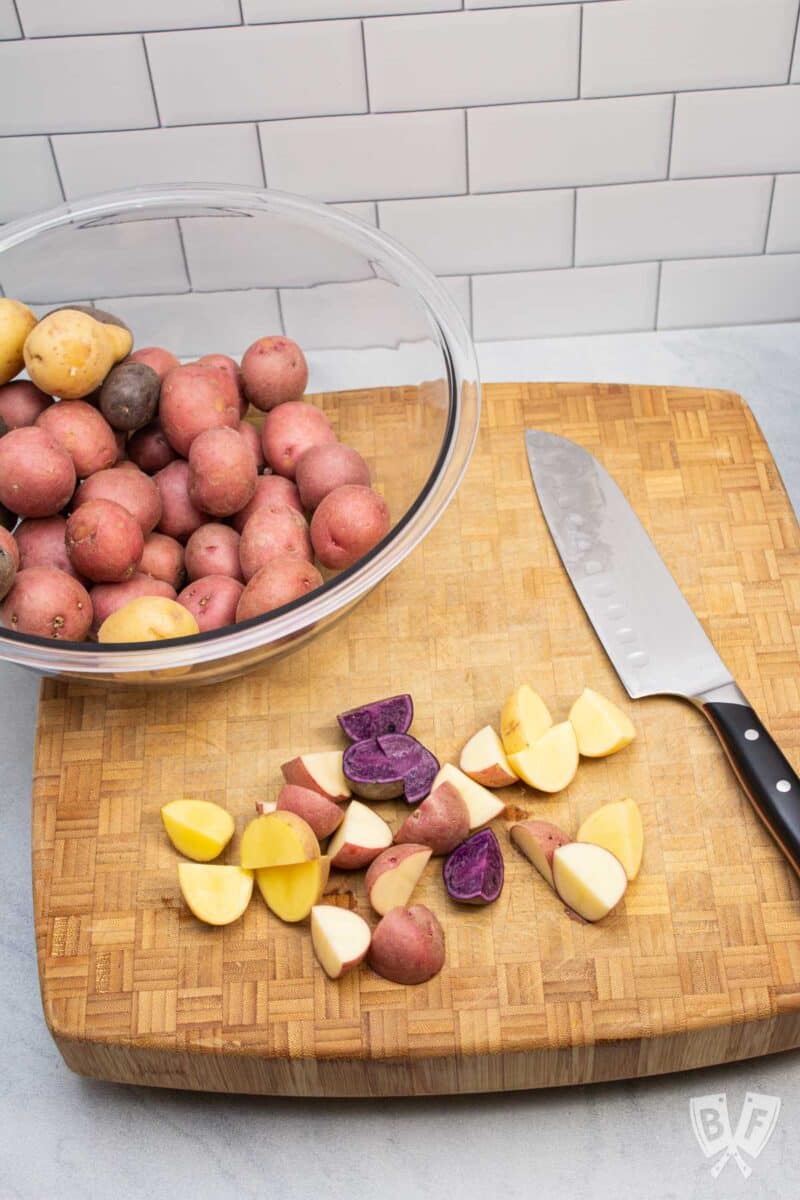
(783, 785)
(751, 735)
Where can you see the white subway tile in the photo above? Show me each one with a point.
(260, 11)
(91, 162)
(674, 219)
(461, 234)
(516, 3)
(738, 132)
(472, 58)
(666, 45)
(9, 25)
(340, 316)
(45, 18)
(458, 287)
(201, 322)
(376, 156)
(365, 210)
(554, 303)
(29, 177)
(61, 85)
(730, 291)
(568, 142)
(127, 258)
(784, 221)
(258, 72)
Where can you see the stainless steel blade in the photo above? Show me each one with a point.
(654, 640)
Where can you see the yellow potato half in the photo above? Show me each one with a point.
(291, 892)
(216, 895)
(197, 828)
(618, 828)
(278, 839)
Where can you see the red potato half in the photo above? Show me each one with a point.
(359, 839)
(408, 945)
(149, 449)
(83, 432)
(328, 466)
(271, 491)
(284, 579)
(320, 771)
(393, 875)
(291, 429)
(162, 558)
(179, 517)
(47, 603)
(213, 549)
(108, 597)
(222, 472)
(41, 543)
(538, 841)
(441, 821)
(340, 939)
(271, 532)
(321, 813)
(274, 371)
(484, 760)
(212, 601)
(194, 398)
(104, 542)
(347, 524)
(37, 475)
(21, 403)
(126, 485)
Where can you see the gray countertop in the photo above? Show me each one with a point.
(68, 1137)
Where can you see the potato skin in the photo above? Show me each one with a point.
(223, 362)
(212, 601)
(323, 468)
(108, 597)
(347, 524)
(16, 322)
(98, 314)
(84, 433)
(21, 402)
(9, 561)
(222, 472)
(253, 439)
(194, 398)
(129, 396)
(291, 429)
(37, 475)
(42, 543)
(156, 357)
(318, 811)
(10, 545)
(126, 485)
(104, 542)
(271, 532)
(441, 821)
(270, 490)
(274, 371)
(48, 603)
(148, 619)
(149, 449)
(284, 579)
(69, 354)
(162, 558)
(179, 517)
(213, 549)
(407, 945)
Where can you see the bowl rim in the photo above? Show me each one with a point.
(347, 587)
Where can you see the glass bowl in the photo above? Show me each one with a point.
(208, 269)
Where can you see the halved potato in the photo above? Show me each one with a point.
(197, 828)
(217, 895)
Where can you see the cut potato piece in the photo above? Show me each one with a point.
(340, 939)
(600, 727)
(618, 828)
(215, 894)
(482, 806)
(549, 764)
(393, 875)
(320, 772)
(278, 839)
(291, 892)
(589, 879)
(538, 841)
(360, 838)
(484, 760)
(524, 719)
(197, 828)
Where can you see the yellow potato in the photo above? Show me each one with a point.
(618, 828)
(600, 727)
(278, 839)
(524, 719)
(549, 765)
(16, 322)
(197, 828)
(216, 895)
(121, 340)
(292, 891)
(69, 354)
(148, 619)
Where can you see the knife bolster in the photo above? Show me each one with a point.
(728, 693)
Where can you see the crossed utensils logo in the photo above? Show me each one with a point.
(712, 1128)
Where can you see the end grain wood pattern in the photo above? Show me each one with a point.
(700, 963)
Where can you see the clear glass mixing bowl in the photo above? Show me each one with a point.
(208, 269)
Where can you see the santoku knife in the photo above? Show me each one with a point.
(655, 642)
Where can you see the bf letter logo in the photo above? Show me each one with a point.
(712, 1128)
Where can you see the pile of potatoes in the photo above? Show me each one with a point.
(141, 504)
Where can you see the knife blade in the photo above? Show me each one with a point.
(655, 642)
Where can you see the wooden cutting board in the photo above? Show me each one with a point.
(699, 965)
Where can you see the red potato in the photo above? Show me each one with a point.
(270, 490)
(407, 945)
(104, 541)
(48, 603)
(213, 549)
(291, 429)
(194, 398)
(212, 601)
(126, 485)
(323, 468)
(441, 821)
(21, 402)
(348, 523)
(359, 839)
(282, 580)
(222, 472)
(42, 543)
(108, 597)
(393, 875)
(318, 811)
(223, 362)
(37, 475)
(83, 432)
(149, 449)
(253, 439)
(179, 517)
(154, 356)
(538, 841)
(163, 558)
(271, 532)
(274, 371)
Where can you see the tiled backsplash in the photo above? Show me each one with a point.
(566, 168)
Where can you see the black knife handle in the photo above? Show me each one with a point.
(768, 779)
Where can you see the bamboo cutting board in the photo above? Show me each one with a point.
(701, 962)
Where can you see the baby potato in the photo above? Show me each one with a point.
(325, 467)
(21, 402)
(10, 546)
(213, 549)
(84, 433)
(37, 476)
(148, 619)
(349, 522)
(291, 429)
(42, 543)
(156, 357)
(108, 597)
(118, 332)
(149, 449)
(270, 490)
(274, 370)
(69, 354)
(194, 398)
(283, 579)
(125, 484)
(407, 945)
(162, 558)
(104, 542)
(47, 603)
(16, 322)
(222, 472)
(9, 562)
(223, 362)
(270, 532)
(253, 439)
(179, 517)
(212, 601)
(129, 395)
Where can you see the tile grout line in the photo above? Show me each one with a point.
(769, 214)
(658, 297)
(241, 15)
(57, 167)
(671, 138)
(580, 51)
(574, 223)
(184, 255)
(279, 304)
(19, 19)
(794, 45)
(260, 153)
(150, 77)
(364, 64)
(466, 151)
(471, 301)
